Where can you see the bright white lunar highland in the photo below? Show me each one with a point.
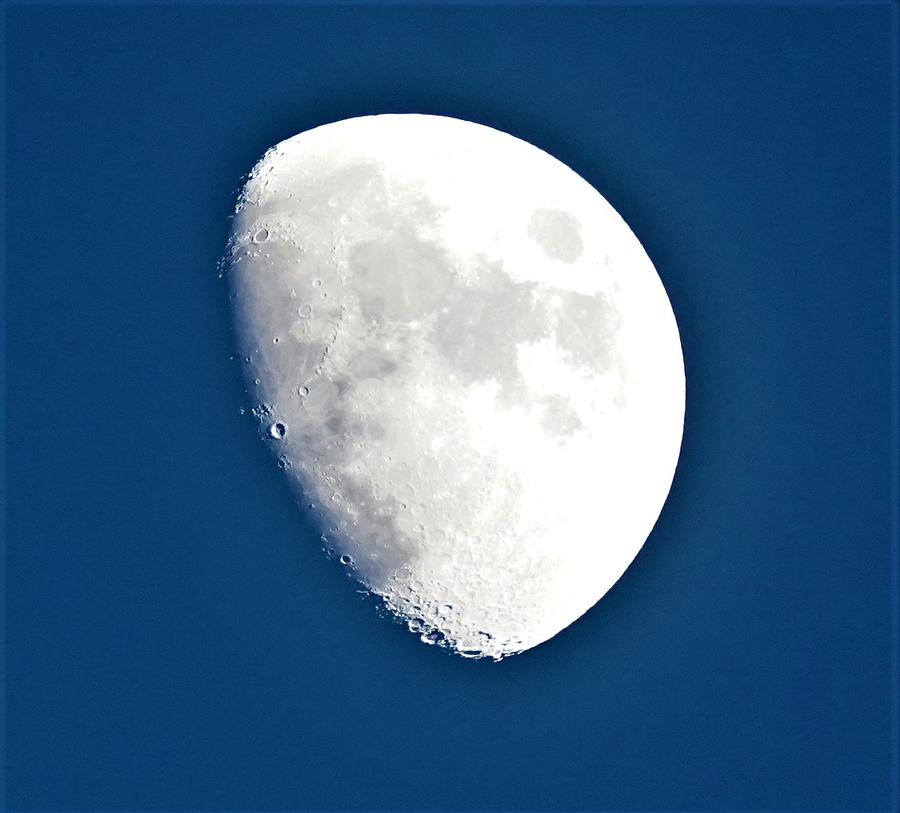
(465, 363)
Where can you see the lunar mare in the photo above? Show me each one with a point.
(465, 363)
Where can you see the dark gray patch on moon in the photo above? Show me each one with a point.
(559, 418)
(477, 330)
(399, 276)
(557, 233)
(588, 329)
(370, 362)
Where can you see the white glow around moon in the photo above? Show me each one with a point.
(466, 365)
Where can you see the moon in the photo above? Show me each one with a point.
(466, 365)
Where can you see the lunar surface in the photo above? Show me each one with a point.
(465, 364)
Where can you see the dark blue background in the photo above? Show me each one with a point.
(175, 637)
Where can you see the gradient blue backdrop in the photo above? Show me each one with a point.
(175, 639)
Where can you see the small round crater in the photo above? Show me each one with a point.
(277, 430)
(432, 638)
(261, 236)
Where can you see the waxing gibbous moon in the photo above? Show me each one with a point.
(466, 365)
